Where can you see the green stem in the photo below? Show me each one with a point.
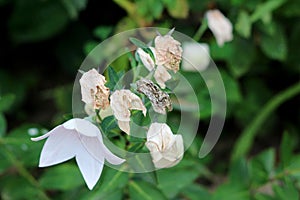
(202, 28)
(23, 171)
(246, 139)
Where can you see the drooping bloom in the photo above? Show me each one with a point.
(122, 101)
(93, 90)
(161, 75)
(165, 148)
(195, 56)
(81, 139)
(146, 59)
(220, 26)
(168, 51)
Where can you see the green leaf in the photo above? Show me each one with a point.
(3, 125)
(6, 102)
(243, 24)
(274, 45)
(231, 192)
(74, 7)
(178, 8)
(113, 79)
(111, 180)
(286, 148)
(62, 177)
(143, 190)
(102, 32)
(265, 9)
(195, 191)
(109, 123)
(138, 43)
(239, 173)
(261, 167)
(33, 21)
(286, 191)
(186, 172)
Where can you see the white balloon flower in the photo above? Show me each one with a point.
(81, 139)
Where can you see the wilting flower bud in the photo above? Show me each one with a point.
(93, 90)
(146, 58)
(165, 148)
(220, 26)
(195, 56)
(168, 51)
(121, 102)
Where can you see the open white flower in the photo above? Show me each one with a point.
(122, 101)
(146, 58)
(196, 56)
(168, 51)
(220, 26)
(81, 139)
(93, 90)
(165, 148)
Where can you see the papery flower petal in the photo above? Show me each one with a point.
(165, 148)
(60, 146)
(168, 52)
(146, 58)
(90, 168)
(161, 75)
(195, 56)
(124, 126)
(122, 101)
(93, 90)
(220, 26)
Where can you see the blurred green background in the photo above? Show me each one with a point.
(42, 45)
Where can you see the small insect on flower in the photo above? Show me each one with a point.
(160, 100)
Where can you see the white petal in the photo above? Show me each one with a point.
(161, 75)
(43, 136)
(82, 126)
(90, 168)
(124, 126)
(146, 59)
(96, 148)
(60, 146)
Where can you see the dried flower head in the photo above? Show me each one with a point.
(160, 100)
(165, 148)
(93, 90)
(122, 101)
(168, 51)
(220, 26)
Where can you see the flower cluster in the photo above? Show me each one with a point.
(82, 139)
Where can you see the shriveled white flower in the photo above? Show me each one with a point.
(165, 148)
(220, 26)
(195, 56)
(161, 75)
(81, 139)
(93, 90)
(168, 51)
(122, 101)
(146, 58)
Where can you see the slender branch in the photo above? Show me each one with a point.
(246, 139)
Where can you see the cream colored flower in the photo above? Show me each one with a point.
(220, 26)
(146, 58)
(93, 90)
(195, 56)
(161, 75)
(165, 148)
(122, 101)
(168, 51)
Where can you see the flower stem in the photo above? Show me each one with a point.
(246, 139)
(202, 28)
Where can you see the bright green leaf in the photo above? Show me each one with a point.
(178, 8)
(243, 24)
(143, 190)
(265, 8)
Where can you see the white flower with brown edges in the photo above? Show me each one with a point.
(93, 90)
(121, 102)
(81, 139)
